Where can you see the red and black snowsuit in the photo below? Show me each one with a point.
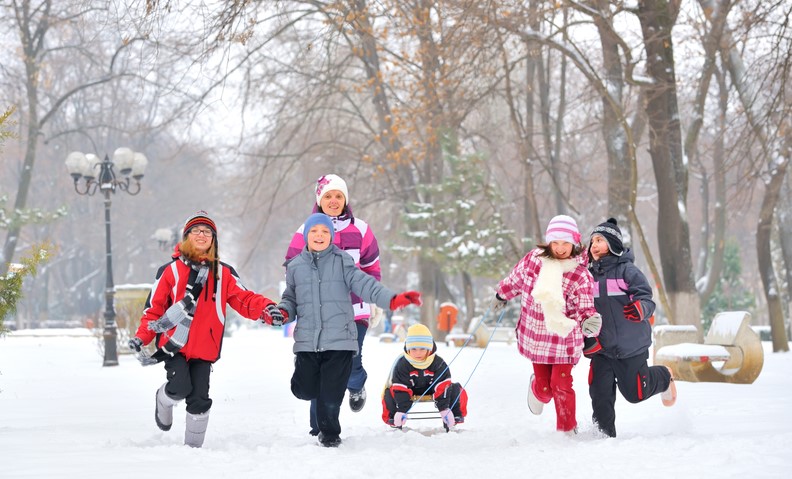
(434, 382)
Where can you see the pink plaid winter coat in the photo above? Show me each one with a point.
(534, 341)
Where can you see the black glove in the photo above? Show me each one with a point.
(135, 344)
(274, 316)
(591, 346)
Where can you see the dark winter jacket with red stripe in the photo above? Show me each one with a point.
(407, 381)
(618, 283)
(208, 325)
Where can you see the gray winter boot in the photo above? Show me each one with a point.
(163, 412)
(195, 430)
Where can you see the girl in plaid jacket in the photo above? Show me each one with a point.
(557, 311)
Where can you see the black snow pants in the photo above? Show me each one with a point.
(323, 376)
(636, 380)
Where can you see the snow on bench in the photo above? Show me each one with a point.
(693, 352)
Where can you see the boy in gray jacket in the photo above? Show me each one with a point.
(318, 285)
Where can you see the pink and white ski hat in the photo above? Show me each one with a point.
(562, 228)
(329, 183)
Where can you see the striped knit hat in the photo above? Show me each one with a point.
(419, 336)
(562, 228)
(199, 218)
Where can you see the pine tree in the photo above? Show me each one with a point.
(461, 228)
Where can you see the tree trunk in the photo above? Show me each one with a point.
(32, 37)
(428, 270)
(711, 264)
(388, 138)
(784, 217)
(619, 164)
(766, 271)
(657, 18)
(470, 300)
(533, 228)
(552, 148)
(713, 272)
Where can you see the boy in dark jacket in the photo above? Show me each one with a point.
(623, 297)
(319, 282)
(420, 372)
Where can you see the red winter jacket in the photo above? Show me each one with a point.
(206, 330)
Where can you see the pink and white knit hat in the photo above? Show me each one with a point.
(562, 228)
(329, 183)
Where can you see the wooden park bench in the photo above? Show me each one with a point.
(731, 352)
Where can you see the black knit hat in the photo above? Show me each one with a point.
(612, 234)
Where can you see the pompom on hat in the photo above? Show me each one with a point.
(562, 228)
(318, 219)
(419, 336)
(329, 183)
(199, 218)
(612, 234)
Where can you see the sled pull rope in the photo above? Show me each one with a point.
(448, 365)
(481, 356)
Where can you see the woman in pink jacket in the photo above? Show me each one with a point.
(557, 312)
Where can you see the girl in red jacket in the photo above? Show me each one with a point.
(557, 311)
(185, 314)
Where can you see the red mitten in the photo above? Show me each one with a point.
(405, 299)
(634, 312)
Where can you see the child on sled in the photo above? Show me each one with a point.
(420, 373)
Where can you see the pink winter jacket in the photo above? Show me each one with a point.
(534, 341)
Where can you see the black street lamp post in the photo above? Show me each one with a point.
(131, 165)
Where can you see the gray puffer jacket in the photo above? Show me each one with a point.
(317, 296)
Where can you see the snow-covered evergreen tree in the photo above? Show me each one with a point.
(461, 228)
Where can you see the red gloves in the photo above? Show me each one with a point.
(405, 299)
(634, 312)
(274, 316)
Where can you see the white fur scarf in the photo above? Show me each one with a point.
(549, 292)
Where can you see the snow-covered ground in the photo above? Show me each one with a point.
(64, 415)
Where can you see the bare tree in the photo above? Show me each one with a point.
(767, 112)
(34, 22)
